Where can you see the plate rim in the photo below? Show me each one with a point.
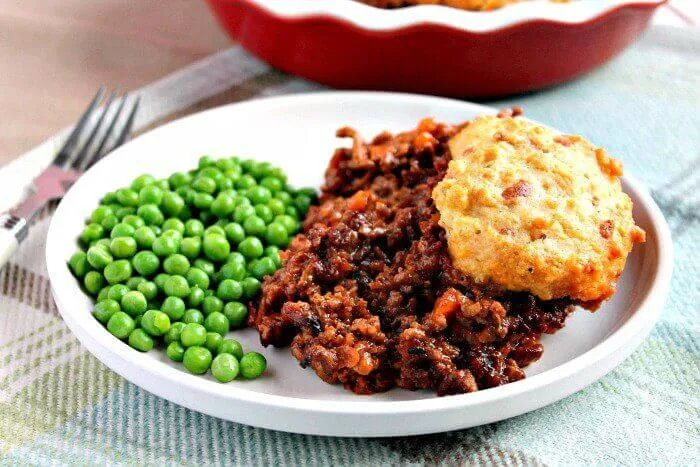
(624, 340)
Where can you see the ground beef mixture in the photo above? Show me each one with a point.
(367, 295)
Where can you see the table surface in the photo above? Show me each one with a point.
(54, 54)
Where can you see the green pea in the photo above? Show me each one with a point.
(91, 232)
(133, 282)
(109, 198)
(212, 304)
(251, 247)
(271, 183)
(193, 316)
(197, 359)
(276, 207)
(151, 214)
(178, 179)
(175, 351)
(195, 297)
(276, 234)
(194, 228)
(191, 247)
(197, 278)
(124, 211)
(142, 181)
(248, 164)
(144, 237)
(262, 267)
(174, 307)
(165, 246)
(105, 309)
(120, 325)
(234, 232)
(193, 334)
(134, 303)
(260, 169)
(173, 334)
(245, 182)
(127, 197)
(176, 264)
(98, 257)
(155, 322)
(122, 230)
(140, 340)
(99, 214)
(229, 289)
(78, 264)
(150, 194)
(148, 289)
(292, 211)
(222, 205)
(134, 221)
(160, 280)
(264, 213)
(271, 251)
(285, 197)
(309, 192)
(213, 341)
(123, 247)
(118, 271)
(237, 258)
(109, 222)
(146, 263)
(235, 271)
(225, 368)
(231, 347)
(236, 313)
(217, 322)
(251, 287)
(174, 234)
(242, 212)
(172, 203)
(259, 195)
(290, 224)
(216, 247)
(202, 200)
(117, 291)
(252, 365)
(173, 223)
(104, 294)
(204, 184)
(93, 282)
(254, 225)
(176, 286)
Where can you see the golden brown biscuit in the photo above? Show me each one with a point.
(529, 209)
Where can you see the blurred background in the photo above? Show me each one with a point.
(55, 53)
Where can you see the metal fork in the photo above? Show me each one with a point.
(100, 129)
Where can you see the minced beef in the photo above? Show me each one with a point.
(367, 295)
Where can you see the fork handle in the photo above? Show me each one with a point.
(13, 230)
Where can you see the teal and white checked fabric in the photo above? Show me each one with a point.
(59, 405)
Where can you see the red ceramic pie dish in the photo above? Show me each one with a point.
(433, 49)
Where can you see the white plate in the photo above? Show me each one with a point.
(297, 133)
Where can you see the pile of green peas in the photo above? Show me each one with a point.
(176, 261)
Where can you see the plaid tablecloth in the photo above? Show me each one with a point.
(59, 405)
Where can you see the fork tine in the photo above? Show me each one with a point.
(98, 152)
(82, 158)
(126, 129)
(73, 138)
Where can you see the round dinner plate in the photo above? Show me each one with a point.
(297, 133)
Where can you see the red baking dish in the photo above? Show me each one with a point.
(433, 49)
